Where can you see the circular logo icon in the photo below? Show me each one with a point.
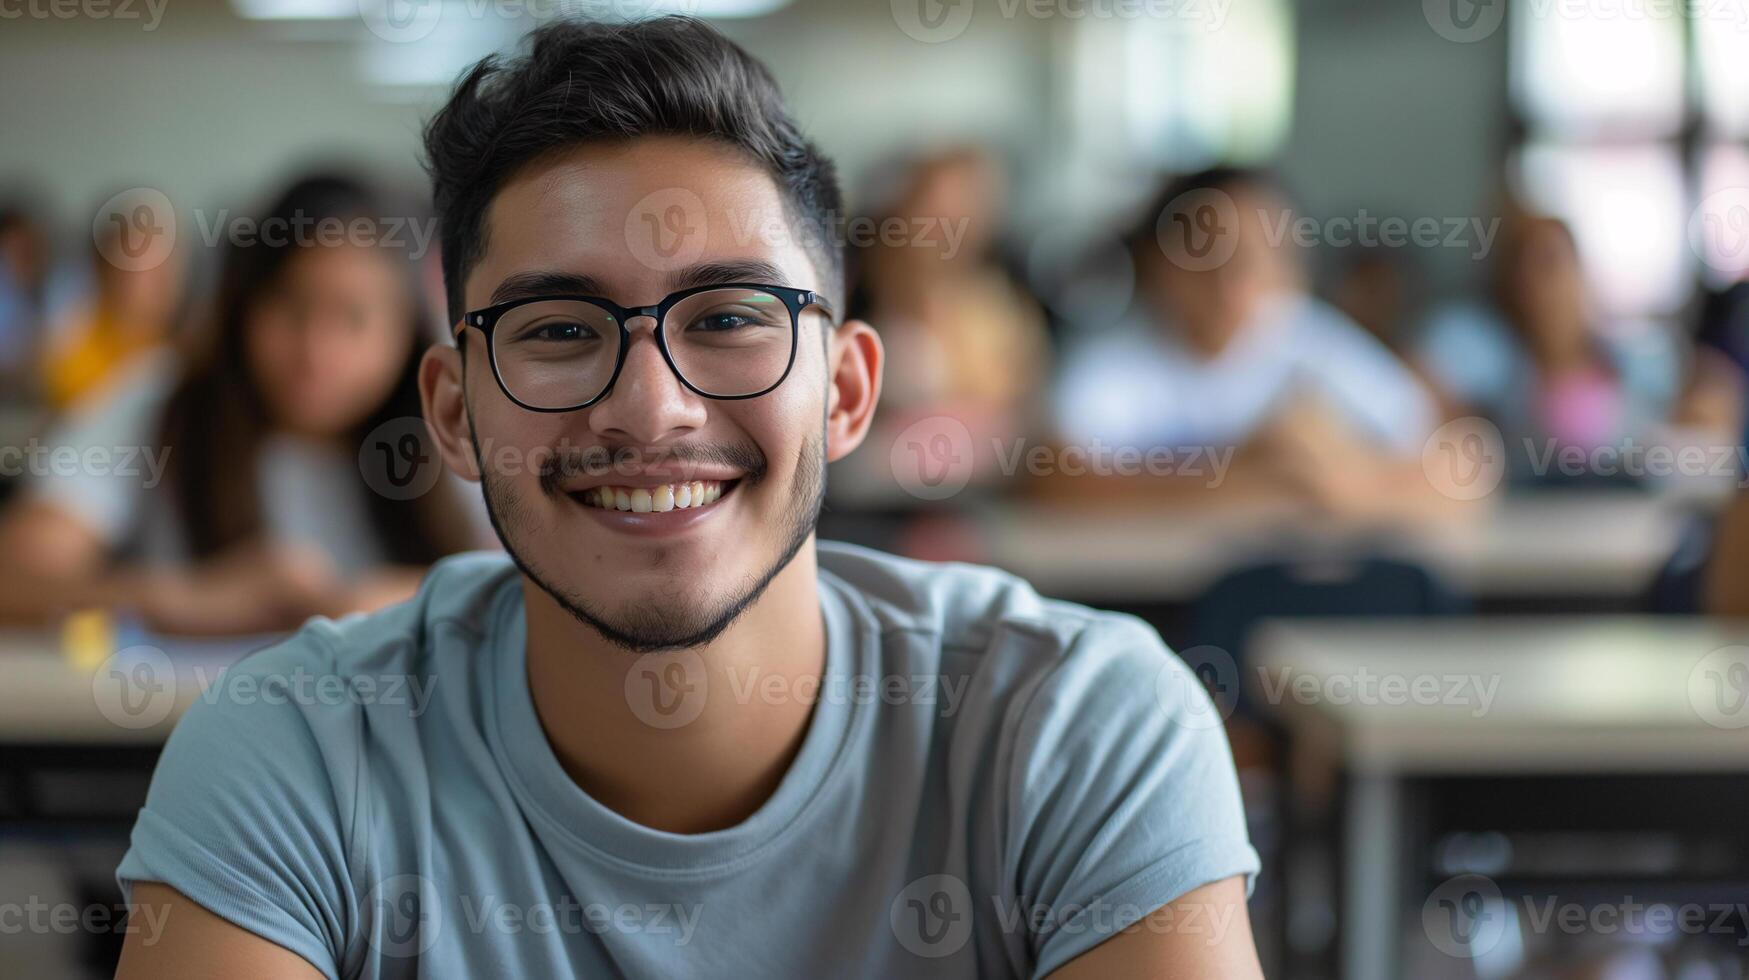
(932, 21)
(1465, 459)
(1465, 916)
(932, 458)
(401, 21)
(932, 916)
(1718, 230)
(666, 230)
(406, 915)
(1199, 230)
(399, 460)
(667, 689)
(1200, 689)
(135, 230)
(1464, 21)
(135, 687)
(1718, 688)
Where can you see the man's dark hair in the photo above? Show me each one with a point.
(583, 82)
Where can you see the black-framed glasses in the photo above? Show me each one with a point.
(563, 353)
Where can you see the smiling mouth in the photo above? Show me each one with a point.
(658, 499)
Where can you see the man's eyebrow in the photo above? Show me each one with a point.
(735, 270)
(525, 284)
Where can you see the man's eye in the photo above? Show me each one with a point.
(558, 331)
(717, 322)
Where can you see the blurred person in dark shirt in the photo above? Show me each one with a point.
(26, 297)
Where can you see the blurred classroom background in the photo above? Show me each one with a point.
(1388, 357)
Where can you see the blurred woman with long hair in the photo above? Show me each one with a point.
(242, 489)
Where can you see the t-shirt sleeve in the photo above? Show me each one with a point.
(1125, 796)
(242, 816)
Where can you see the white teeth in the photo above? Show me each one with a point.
(659, 500)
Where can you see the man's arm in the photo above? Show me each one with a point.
(172, 938)
(1206, 933)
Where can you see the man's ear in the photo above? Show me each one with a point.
(446, 409)
(854, 360)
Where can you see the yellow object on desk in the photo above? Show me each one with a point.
(88, 638)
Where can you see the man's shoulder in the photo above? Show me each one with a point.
(977, 608)
(455, 604)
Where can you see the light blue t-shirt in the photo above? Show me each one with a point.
(991, 784)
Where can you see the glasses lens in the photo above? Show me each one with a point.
(730, 341)
(556, 353)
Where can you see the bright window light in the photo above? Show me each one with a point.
(1583, 69)
(1628, 210)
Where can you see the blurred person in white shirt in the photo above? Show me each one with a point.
(1225, 350)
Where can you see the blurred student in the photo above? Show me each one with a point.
(26, 266)
(1722, 360)
(1374, 287)
(246, 506)
(958, 330)
(1539, 362)
(1224, 349)
(127, 316)
(1724, 579)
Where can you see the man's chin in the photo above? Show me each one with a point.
(651, 623)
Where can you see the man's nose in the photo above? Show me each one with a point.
(648, 403)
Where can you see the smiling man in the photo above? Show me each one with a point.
(669, 734)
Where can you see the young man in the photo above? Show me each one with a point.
(668, 735)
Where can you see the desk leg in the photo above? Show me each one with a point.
(1372, 877)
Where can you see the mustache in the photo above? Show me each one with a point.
(566, 463)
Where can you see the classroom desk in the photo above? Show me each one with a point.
(59, 718)
(1584, 695)
(1605, 544)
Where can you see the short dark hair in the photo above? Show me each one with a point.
(585, 81)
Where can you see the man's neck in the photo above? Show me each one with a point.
(685, 741)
